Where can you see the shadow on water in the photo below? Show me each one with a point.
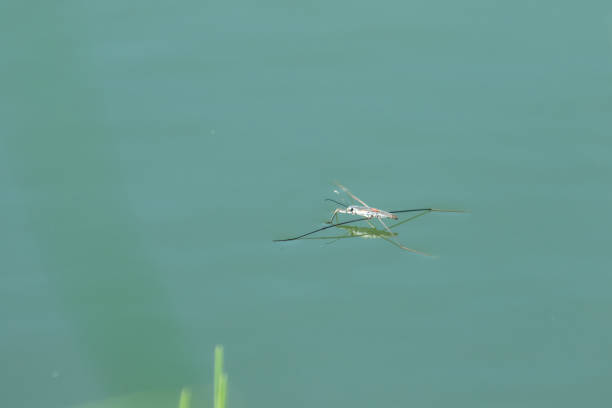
(371, 232)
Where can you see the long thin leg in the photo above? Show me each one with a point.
(335, 215)
(428, 209)
(319, 229)
(331, 221)
(409, 219)
(397, 242)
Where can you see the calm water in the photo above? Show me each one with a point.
(150, 152)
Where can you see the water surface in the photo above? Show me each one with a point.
(150, 153)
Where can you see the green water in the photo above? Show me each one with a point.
(151, 151)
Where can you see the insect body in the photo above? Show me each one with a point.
(367, 212)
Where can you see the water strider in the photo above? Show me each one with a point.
(367, 213)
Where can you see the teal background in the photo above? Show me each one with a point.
(151, 151)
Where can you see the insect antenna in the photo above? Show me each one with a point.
(337, 202)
